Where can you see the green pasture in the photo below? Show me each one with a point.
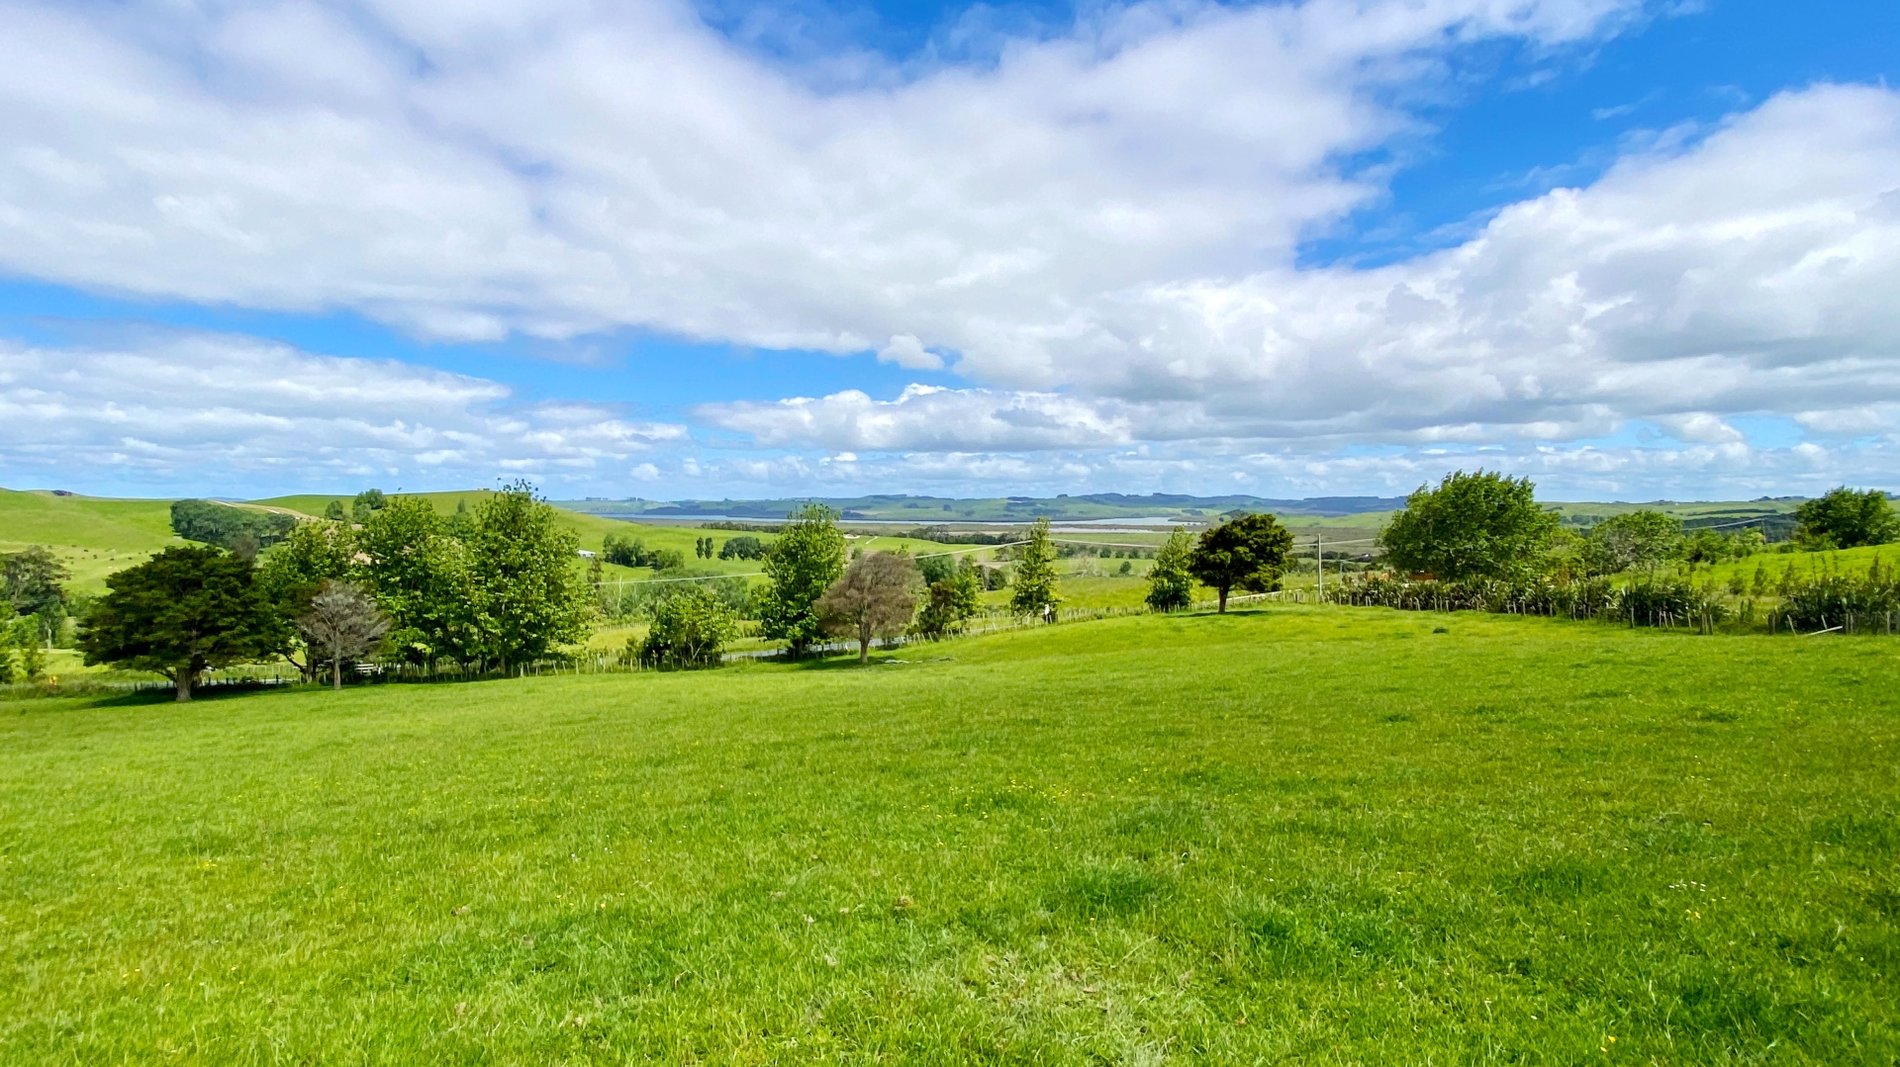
(93, 536)
(1301, 835)
(1852, 561)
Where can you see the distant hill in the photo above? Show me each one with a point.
(1363, 512)
(932, 509)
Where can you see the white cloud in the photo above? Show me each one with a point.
(223, 411)
(905, 350)
(924, 418)
(1096, 228)
(1755, 272)
(473, 169)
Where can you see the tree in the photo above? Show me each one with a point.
(334, 511)
(421, 577)
(530, 595)
(690, 628)
(801, 564)
(744, 546)
(342, 624)
(367, 503)
(1170, 582)
(1250, 552)
(183, 612)
(623, 551)
(950, 601)
(875, 597)
(27, 637)
(1035, 581)
(1642, 538)
(1482, 525)
(212, 522)
(31, 580)
(9, 673)
(1846, 518)
(314, 553)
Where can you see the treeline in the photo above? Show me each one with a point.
(1480, 542)
(491, 588)
(240, 529)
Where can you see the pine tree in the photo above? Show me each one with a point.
(1035, 581)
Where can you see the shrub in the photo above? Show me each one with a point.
(690, 629)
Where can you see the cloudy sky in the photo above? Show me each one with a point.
(1633, 248)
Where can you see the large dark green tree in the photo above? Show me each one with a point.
(1480, 525)
(1033, 588)
(213, 522)
(1848, 518)
(1249, 552)
(801, 564)
(183, 612)
(31, 581)
(530, 594)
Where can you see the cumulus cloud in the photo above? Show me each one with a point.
(1095, 226)
(561, 167)
(220, 410)
(905, 350)
(1751, 272)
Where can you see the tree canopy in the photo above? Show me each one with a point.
(529, 597)
(876, 596)
(420, 575)
(1848, 518)
(951, 599)
(799, 566)
(31, 580)
(1635, 539)
(690, 628)
(212, 522)
(1250, 552)
(1478, 525)
(183, 612)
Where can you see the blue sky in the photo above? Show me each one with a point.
(1633, 249)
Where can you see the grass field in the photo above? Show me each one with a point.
(93, 536)
(1308, 835)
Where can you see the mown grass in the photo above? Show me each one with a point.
(1306, 835)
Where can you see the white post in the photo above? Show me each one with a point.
(1319, 549)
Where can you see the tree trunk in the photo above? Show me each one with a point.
(1223, 600)
(864, 642)
(336, 674)
(182, 686)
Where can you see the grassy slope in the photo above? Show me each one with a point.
(1318, 835)
(94, 536)
(1854, 561)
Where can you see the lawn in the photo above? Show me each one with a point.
(1303, 835)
